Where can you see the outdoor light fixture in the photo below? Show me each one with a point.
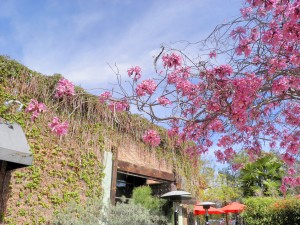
(176, 196)
(10, 102)
(14, 149)
(206, 206)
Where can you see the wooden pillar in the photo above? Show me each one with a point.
(114, 176)
(4, 190)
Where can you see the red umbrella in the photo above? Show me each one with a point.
(199, 210)
(233, 207)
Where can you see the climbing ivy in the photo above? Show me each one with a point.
(66, 168)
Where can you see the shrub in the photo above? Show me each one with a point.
(133, 214)
(93, 213)
(258, 210)
(143, 195)
(286, 212)
(270, 211)
(78, 214)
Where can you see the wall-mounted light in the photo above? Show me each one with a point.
(10, 102)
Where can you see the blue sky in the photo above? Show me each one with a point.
(79, 38)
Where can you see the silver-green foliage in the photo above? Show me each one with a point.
(133, 214)
(92, 213)
(75, 213)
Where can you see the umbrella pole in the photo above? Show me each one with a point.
(226, 216)
(206, 216)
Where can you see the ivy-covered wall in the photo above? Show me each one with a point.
(67, 167)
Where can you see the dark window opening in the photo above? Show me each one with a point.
(126, 183)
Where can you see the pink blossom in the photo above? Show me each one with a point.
(288, 159)
(34, 115)
(217, 126)
(244, 47)
(136, 71)
(254, 34)
(281, 85)
(246, 12)
(172, 60)
(238, 33)
(283, 188)
(164, 101)
(220, 156)
(291, 171)
(256, 60)
(104, 96)
(64, 87)
(212, 54)
(59, 128)
(35, 108)
(229, 154)
(146, 87)
(173, 77)
(237, 166)
(118, 106)
(152, 138)
(223, 70)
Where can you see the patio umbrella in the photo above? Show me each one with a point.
(233, 207)
(199, 210)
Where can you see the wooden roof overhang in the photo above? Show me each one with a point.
(146, 172)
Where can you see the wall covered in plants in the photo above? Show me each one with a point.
(69, 167)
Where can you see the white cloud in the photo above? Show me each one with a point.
(80, 45)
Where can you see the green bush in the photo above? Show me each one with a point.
(143, 195)
(270, 211)
(258, 210)
(286, 212)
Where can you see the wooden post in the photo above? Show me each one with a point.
(3, 194)
(226, 216)
(114, 176)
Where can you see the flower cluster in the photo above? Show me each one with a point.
(164, 101)
(64, 88)
(59, 128)
(118, 106)
(244, 47)
(104, 96)
(212, 54)
(146, 87)
(136, 72)
(172, 60)
(35, 108)
(238, 33)
(152, 138)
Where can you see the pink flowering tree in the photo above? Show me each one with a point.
(242, 94)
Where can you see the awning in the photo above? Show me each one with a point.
(13, 146)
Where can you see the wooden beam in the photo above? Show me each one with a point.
(144, 171)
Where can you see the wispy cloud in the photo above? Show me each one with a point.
(79, 39)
